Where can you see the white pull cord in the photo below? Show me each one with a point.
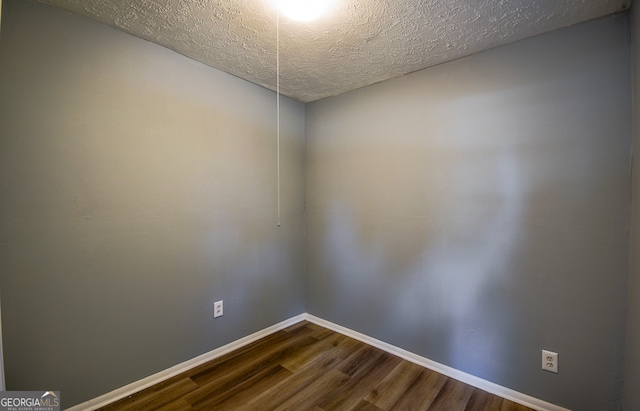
(278, 104)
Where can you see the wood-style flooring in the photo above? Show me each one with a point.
(307, 367)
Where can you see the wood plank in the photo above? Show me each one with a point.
(277, 395)
(394, 385)
(239, 354)
(234, 397)
(264, 354)
(453, 396)
(177, 405)
(422, 392)
(155, 396)
(365, 405)
(255, 351)
(309, 397)
(301, 359)
(367, 374)
(298, 325)
(315, 327)
(363, 356)
(346, 346)
(214, 384)
(319, 332)
(483, 401)
(512, 406)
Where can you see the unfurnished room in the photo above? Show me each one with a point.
(235, 205)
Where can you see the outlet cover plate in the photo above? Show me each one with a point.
(550, 361)
(217, 309)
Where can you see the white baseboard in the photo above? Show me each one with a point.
(474, 381)
(485, 385)
(147, 382)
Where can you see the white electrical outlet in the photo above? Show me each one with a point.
(550, 361)
(217, 309)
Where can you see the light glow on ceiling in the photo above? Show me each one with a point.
(303, 10)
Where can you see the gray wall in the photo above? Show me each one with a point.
(631, 398)
(477, 212)
(138, 186)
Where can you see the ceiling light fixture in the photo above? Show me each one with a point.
(303, 10)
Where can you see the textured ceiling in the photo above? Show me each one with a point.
(356, 43)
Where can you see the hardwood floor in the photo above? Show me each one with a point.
(307, 367)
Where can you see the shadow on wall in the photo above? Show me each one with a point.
(451, 271)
